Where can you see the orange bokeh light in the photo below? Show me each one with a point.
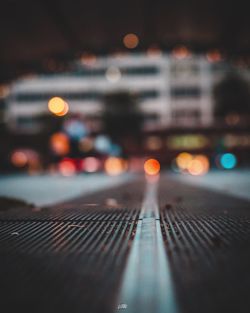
(195, 168)
(199, 165)
(19, 159)
(152, 167)
(115, 166)
(131, 41)
(154, 51)
(58, 106)
(88, 59)
(59, 143)
(181, 52)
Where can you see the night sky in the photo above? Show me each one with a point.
(32, 32)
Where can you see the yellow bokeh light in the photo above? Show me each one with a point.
(152, 167)
(193, 164)
(65, 110)
(115, 166)
(131, 41)
(58, 106)
(183, 160)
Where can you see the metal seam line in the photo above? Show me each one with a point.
(147, 284)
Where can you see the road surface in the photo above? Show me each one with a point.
(140, 245)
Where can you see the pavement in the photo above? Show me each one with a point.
(232, 182)
(49, 189)
(157, 244)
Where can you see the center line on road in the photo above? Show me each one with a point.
(147, 284)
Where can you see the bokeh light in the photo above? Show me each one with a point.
(199, 165)
(26, 158)
(113, 74)
(91, 164)
(195, 168)
(183, 160)
(152, 167)
(228, 161)
(75, 129)
(58, 106)
(154, 51)
(19, 159)
(67, 167)
(102, 144)
(88, 59)
(181, 52)
(65, 110)
(193, 164)
(86, 144)
(115, 166)
(59, 143)
(131, 41)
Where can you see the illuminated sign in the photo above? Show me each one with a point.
(189, 142)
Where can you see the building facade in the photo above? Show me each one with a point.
(170, 91)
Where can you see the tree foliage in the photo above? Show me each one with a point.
(121, 116)
(232, 95)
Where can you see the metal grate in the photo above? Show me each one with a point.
(207, 238)
(77, 214)
(120, 203)
(67, 258)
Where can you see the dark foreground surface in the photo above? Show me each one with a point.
(74, 257)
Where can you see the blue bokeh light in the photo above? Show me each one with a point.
(228, 161)
(103, 144)
(75, 129)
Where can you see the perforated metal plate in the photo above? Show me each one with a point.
(207, 237)
(120, 203)
(67, 258)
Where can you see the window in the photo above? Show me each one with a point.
(185, 92)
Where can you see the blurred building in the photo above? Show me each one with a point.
(172, 90)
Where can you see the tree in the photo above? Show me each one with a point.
(232, 96)
(121, 117)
